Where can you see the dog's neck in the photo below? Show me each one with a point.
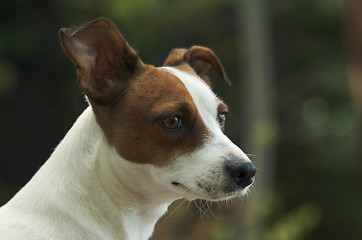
(117, 184)
(132, 189)
(84, 173)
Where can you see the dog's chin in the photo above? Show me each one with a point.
(217, 195)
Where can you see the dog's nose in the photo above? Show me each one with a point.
(242, 172)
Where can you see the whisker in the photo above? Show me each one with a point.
(199, 211)
(188, 206)
(168, 215)
(251, 155)
(218, 205)
(201, 207)
(242, 202)
(208, 206)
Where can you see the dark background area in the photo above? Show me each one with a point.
(309, 153)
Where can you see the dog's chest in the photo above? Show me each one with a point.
(139, 223)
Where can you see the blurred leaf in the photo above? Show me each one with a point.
(8, 79)
(296, 224)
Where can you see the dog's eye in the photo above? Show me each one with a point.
(221, 119)
(172, 122)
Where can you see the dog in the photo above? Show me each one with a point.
(148, 137)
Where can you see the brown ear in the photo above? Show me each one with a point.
(201, 59)
(103, 59)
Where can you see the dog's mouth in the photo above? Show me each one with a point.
(209, 193)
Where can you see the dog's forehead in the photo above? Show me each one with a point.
(203, 97)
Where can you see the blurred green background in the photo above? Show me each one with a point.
(296, 100)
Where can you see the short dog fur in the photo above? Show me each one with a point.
(150, 136)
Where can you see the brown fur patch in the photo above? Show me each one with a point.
(200, 59)
(222, 108)
(133, 123)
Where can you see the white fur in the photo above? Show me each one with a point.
(78, 194)
(87, 191)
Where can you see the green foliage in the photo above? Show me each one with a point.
(296, 224)
(9, 80)
(265, 132)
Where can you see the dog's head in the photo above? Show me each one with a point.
(166, 120)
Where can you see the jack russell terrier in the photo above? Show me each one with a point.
(150, 136)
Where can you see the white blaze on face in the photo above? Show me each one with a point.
(204, 99)
(202, 171)
(207, 104)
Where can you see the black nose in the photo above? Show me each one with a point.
(242, 172)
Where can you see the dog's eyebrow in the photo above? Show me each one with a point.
(185, 107)
(182, 108)
(222, 108)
